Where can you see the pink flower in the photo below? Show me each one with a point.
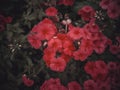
(90, 85)
(58, 64)
(51, 11)
(86, 13)
(74, 86)
(28, 82)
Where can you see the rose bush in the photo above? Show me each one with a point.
(60, 45)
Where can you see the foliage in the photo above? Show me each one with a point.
(19, 57)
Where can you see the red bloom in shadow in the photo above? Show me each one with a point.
(58, 64)
(34, 41)
(28, 82)
(51, 11)
(104, 4)
(90, 85)
(52, 84)
(80, 55)
(74, 86)
(86, 13)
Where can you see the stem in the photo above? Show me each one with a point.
(66, 27)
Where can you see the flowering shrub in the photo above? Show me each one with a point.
(60, 45)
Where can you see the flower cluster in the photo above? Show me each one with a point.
(62, 40)
(104, 77)
(78, 42)
(112, 7)
(54, 84)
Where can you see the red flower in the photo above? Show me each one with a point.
(62, 37)
(75, 33)
(113, 10)
(68, 47)
(86, 13)
(90, 85)
(90, 67)
(104, 86)
(45, 30)
(34, 41)
(92, 27)
(80, 55)
(58, 64)
(112, 66)
(52, 84)
(66, 2)
(100, 43)
(86, 34)
(104, 4)
(74, 86)
(51, 11)
(102, 70)
(66, 57)
(114, 49)
(98, 70)
(28, 82)
(101, 66)
(48, 55)
(55, 44)
(86, 46)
